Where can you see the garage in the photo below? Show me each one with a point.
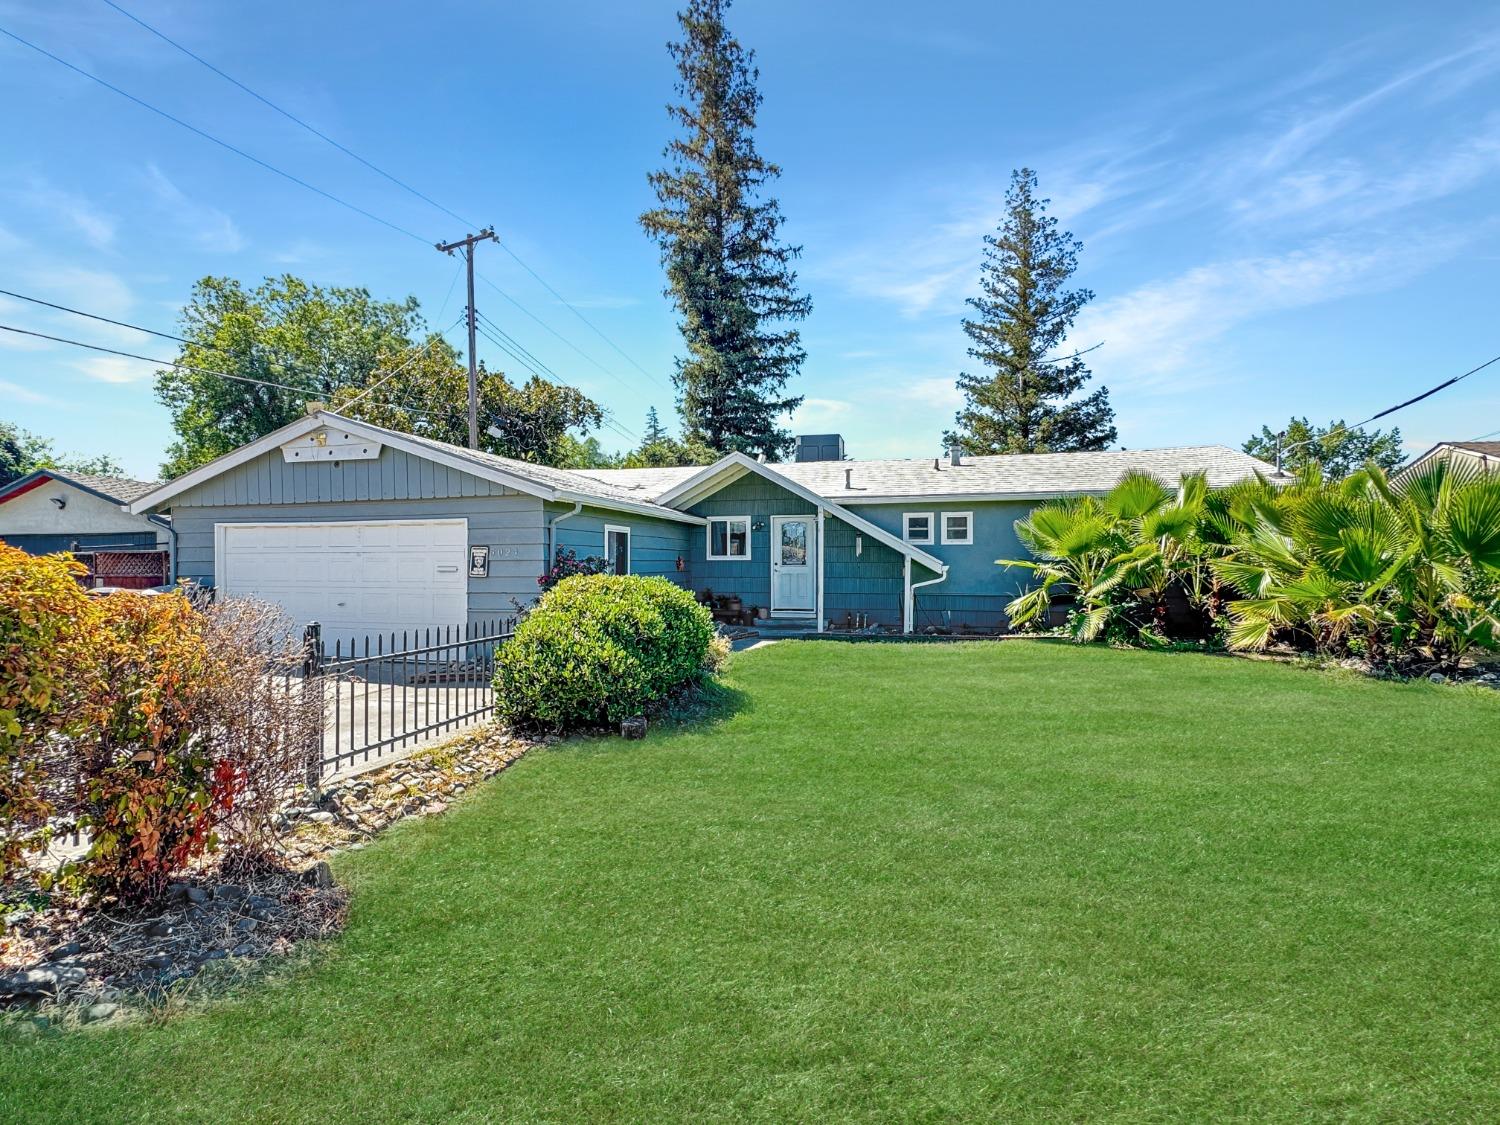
(356, 578)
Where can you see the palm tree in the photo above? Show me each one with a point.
(1118, 555)
(1397, 572)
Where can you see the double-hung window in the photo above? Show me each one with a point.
(916, 527)
(958, 527)
(728, 537)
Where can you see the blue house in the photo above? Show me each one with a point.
(368, 530)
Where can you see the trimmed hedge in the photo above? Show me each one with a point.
(600, 648)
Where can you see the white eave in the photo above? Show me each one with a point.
(733, 466)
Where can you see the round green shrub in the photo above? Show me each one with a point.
(599, 648)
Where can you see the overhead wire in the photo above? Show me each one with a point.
(382, 172)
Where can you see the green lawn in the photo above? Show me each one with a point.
(916, 882)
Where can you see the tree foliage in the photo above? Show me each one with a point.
(660, 450)
(1024, 402)
(22, 452)
(1335, 449)
(728, 273)
(373, 359)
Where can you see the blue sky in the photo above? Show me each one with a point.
(1285, 208)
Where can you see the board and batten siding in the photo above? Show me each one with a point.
(394, 486)
(655, 544)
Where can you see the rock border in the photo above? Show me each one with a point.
(85, 964)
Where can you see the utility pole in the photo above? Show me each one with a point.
(467, 244)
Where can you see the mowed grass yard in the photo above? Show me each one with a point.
(1003, 881)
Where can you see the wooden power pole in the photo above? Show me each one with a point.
(467, 244)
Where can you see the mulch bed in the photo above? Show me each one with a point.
(91, 962)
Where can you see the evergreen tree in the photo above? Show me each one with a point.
(1025, 403)
(728, 274)
(1335, 449)
(655, 431)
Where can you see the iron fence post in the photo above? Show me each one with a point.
(312, 684)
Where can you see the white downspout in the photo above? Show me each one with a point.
(820, 569)
(911, 593)
(552, 534)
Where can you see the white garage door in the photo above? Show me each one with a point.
(356, 579)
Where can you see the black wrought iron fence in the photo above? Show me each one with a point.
(388, 692)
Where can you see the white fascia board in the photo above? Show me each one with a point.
(746, 464)
(589, 500)
(230, 460)
(730, 467)
(910, 498)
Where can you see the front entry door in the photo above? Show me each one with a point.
(794, 564)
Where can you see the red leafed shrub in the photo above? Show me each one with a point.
(154, 726)
(148, 796)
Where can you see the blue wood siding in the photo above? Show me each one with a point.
(976, 590)
(859, 574)
(655, 544)
(760, 499)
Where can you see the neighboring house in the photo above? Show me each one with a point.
(367, 530)
(53, 510)
(1483, 455)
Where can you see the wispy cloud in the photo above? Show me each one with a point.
(17, 393)
(115, 369)
(82, 216)
(209, 227)
(1158, 331)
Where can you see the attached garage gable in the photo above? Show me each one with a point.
(356, 578)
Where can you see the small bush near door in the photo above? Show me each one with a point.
(600, 648)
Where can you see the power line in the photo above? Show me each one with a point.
(292, 117)
(1427, 393)
(288, 114)
(210, 137)
(304, 391)
(575, 311)
(170, 336)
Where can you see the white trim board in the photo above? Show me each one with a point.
(404, 442)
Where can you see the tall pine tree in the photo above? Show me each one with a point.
(655, 431)
(1025, 402)
(727, 272)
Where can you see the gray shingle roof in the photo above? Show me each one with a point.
(1019, 475)
(570, 480)
(122, 489)
(1488, 448)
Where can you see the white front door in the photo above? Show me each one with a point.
(794, 564)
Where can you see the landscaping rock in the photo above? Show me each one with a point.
(96, 1012)
(197, 895)
(68, 949)
(633, 727)
(319, 874)
(29, 984)
(1438, 678)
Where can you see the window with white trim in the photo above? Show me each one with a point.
(617, 549)
(916, 527)
(728, 537)
(958, 528)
